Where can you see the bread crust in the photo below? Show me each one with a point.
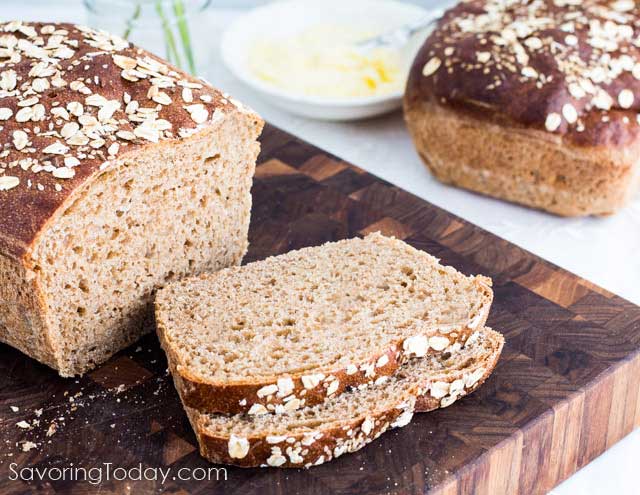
(329, 442)
(525, 166)
(26, 211)
(241, 397)
(332, 442)
(23, 312)
(427, 402)
(532, 102)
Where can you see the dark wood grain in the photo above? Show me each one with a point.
(566, 389)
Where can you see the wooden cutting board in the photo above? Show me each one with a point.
(565, 390)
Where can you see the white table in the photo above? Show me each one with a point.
(603, 250)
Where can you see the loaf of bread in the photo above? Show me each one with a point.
(290, 331)
(118, 174)
(534, 102)
(314, 435)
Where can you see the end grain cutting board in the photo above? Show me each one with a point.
(566, 388)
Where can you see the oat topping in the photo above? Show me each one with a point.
(27, 446)
(257, 409)
(438, 343)
(471, 379)
(448, 400)
(8, 182)
(276, 458)
(285, 386)
(563, 65)
(439, 389)
(431, 67)
(553, 122)
(367, 426)
(417, 345)
(456, 387)
(352, 369)
(380, 380)
(333, 387)
(267, 390)
(312, 381)
(272, 439)
(404, 419)
(382, 361)
(74, 99)
(238, 447)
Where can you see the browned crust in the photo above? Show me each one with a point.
(427, 402)
(216, 448)
(23, 313)
(26, 211)
(526, 166)
(334, 442)
(467, 81)
(234, 398)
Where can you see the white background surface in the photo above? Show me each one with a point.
(603, 250)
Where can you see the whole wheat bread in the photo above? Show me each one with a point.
(548, 118)
(317, 434)
(119, 173)
(292, 330)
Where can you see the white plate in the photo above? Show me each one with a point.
(286, 19)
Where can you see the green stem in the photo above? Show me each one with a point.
(131, 21)
(183, 29)
(168, 34)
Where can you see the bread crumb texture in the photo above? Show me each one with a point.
(289, 331)
(118, 173)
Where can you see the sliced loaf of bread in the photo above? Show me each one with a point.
(119, 173)
(288, 332)
(317, 434)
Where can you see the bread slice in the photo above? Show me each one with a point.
(292, 330)
(119, 173)
(346, 423)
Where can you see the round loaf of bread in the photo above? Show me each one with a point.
(534, 102)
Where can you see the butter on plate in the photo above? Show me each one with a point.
(323, 61)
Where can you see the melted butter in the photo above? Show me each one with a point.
(322, 61)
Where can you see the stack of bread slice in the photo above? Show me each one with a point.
(297, 359)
